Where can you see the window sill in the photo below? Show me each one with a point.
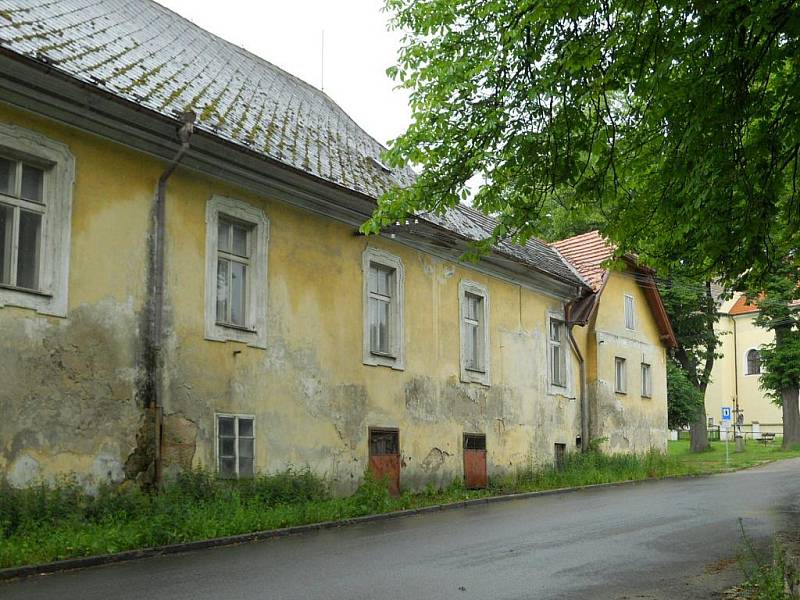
(23, 290)
(236, 327)
(646, 397)
(384, 355)
(476, 371)
(620, 393)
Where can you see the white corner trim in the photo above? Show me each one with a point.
(57, 221)
(468, 375)
(257, 289)
(396, 359)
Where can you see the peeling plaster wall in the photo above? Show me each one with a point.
(629, 421)
(68, 394)
(72, 383)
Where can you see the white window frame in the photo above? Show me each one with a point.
(646, 371)
(565, 387)
(59, 164)
(745, 369)
(254, 333)
(470, 375)
(626, 298)
(395, 358)
(236, 417)
(621, 384)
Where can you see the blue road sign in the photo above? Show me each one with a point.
(727, 413)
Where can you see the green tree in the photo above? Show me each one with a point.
(780, 375)
(677, 123)
(692, 310)
(684, 401)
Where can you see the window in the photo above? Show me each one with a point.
(474, 307)
(236, 272)
(558, 353)
(630, 315)
(235, 445)
(475, 441)
(36, 177)
(753, 366)
(621, 377)
(383, 309)
(647, 381)
(384, 442)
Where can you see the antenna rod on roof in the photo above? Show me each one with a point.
(322, 62)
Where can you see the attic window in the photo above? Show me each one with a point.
(382, 166)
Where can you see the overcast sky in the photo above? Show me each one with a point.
(288, 33)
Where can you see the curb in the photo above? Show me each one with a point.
(129, 555)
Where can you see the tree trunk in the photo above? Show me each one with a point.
(791, 418)
(699, 431)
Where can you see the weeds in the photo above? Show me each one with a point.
(763, 580)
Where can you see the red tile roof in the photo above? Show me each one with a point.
(587, 252)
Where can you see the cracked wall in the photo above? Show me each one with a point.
(73, 382)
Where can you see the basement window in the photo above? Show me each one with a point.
(235, 445)
(236, 272)
(474, 306)
(36, 177)
(474, 441)
(384, 442)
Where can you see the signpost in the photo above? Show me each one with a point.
(727, 419)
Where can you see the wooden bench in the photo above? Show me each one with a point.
(767, 437)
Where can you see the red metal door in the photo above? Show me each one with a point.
(384, 457)
(475, 461)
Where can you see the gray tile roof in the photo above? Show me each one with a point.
(145, 53)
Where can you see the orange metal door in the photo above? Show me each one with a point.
(384, 457)
(475, 469)
(475, 461)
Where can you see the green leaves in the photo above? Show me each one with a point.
(674, 125)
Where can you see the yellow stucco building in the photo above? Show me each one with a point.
(179, 293)
(735, 377)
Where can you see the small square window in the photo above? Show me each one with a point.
(235, 446)
(620, 376)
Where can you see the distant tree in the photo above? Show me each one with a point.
(684, 401)
(692, 310)
(780, 376)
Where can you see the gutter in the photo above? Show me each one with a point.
(584, 392)
(155, 364)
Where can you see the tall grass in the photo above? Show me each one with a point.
(58, 520)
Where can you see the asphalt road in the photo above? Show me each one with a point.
(664, 540)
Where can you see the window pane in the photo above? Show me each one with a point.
(222, 290)
(555, 330)
(225, 426)
(245, 427)
(227, 446)
(227, 466)
(32, 183)
(239, 245)
(7, 171)
(473, 307)
(224, 235)
(30, 225)
(556, 365)
(6, 222)
(245, 467)
(238, 292)
(471, 346)
(380, 280)
(246, 447)
(383, 326)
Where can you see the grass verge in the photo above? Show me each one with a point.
(54, 521)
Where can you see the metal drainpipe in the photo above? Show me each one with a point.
(583, 391)
(184, 135)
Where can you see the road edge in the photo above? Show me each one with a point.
(83, 562)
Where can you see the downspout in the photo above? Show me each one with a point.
(584, 392)
(157, 291)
